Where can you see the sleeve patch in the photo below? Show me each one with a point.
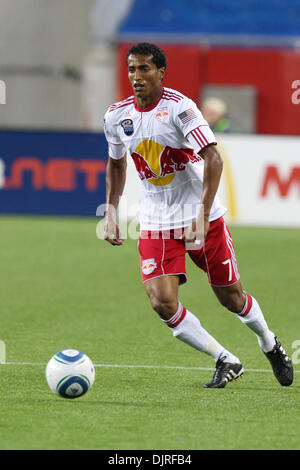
(187, 115)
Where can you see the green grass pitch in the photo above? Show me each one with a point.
(61, 287)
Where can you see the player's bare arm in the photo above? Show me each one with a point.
(213, 166)
(115, 182)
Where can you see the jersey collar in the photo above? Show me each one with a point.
(149, 108)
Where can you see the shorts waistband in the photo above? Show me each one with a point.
(171, 233)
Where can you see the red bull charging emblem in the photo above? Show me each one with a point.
(162, 114)
(158, 164)
(148, 266)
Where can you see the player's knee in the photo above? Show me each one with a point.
(157, 305)
(162, 305)
(234, 302)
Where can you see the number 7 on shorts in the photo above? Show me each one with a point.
(228, 261)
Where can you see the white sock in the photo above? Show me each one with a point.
(252, 316)
(187, 327)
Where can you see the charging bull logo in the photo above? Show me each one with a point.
(159, 164)
(162, 114)
(148, 266)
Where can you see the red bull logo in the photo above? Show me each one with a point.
(159, 164)
(148, 266)
(161, 114)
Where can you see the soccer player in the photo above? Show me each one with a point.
(176, 157)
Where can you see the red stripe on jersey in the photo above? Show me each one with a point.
(120, 103)
(171, 97)
(204, 138)
(121, 106)
(171, 93)
(201, 136)
(123, 101)
(198, 138)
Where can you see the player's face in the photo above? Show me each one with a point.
(145, 78)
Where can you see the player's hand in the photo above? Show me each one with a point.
(206, 226)
(112, 233)
(189, 234)
(194, 234)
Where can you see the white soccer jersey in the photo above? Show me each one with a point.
(163, 140)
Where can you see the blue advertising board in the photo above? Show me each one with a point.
(52, 173)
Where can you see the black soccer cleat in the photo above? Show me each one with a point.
(225, 372)
(281, 364)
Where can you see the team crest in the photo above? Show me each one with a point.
(127, 125)
(161, 114)
(148, 266)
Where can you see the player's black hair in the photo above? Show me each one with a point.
(145, 48)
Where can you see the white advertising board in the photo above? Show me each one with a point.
(261, 179)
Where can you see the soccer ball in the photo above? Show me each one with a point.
(70, 373)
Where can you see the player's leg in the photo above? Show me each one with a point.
(163, 294)
(163, 270)
(221, 266)
(237, 301)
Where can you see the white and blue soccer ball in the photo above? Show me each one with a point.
(70, 373)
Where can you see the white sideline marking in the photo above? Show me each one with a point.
(137, 366)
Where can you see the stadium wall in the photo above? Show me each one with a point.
(272, 72)
(43, 48)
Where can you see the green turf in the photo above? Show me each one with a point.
(61, 288)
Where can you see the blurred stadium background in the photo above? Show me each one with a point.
(62, 65)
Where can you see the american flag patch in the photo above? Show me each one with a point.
(187, 115)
